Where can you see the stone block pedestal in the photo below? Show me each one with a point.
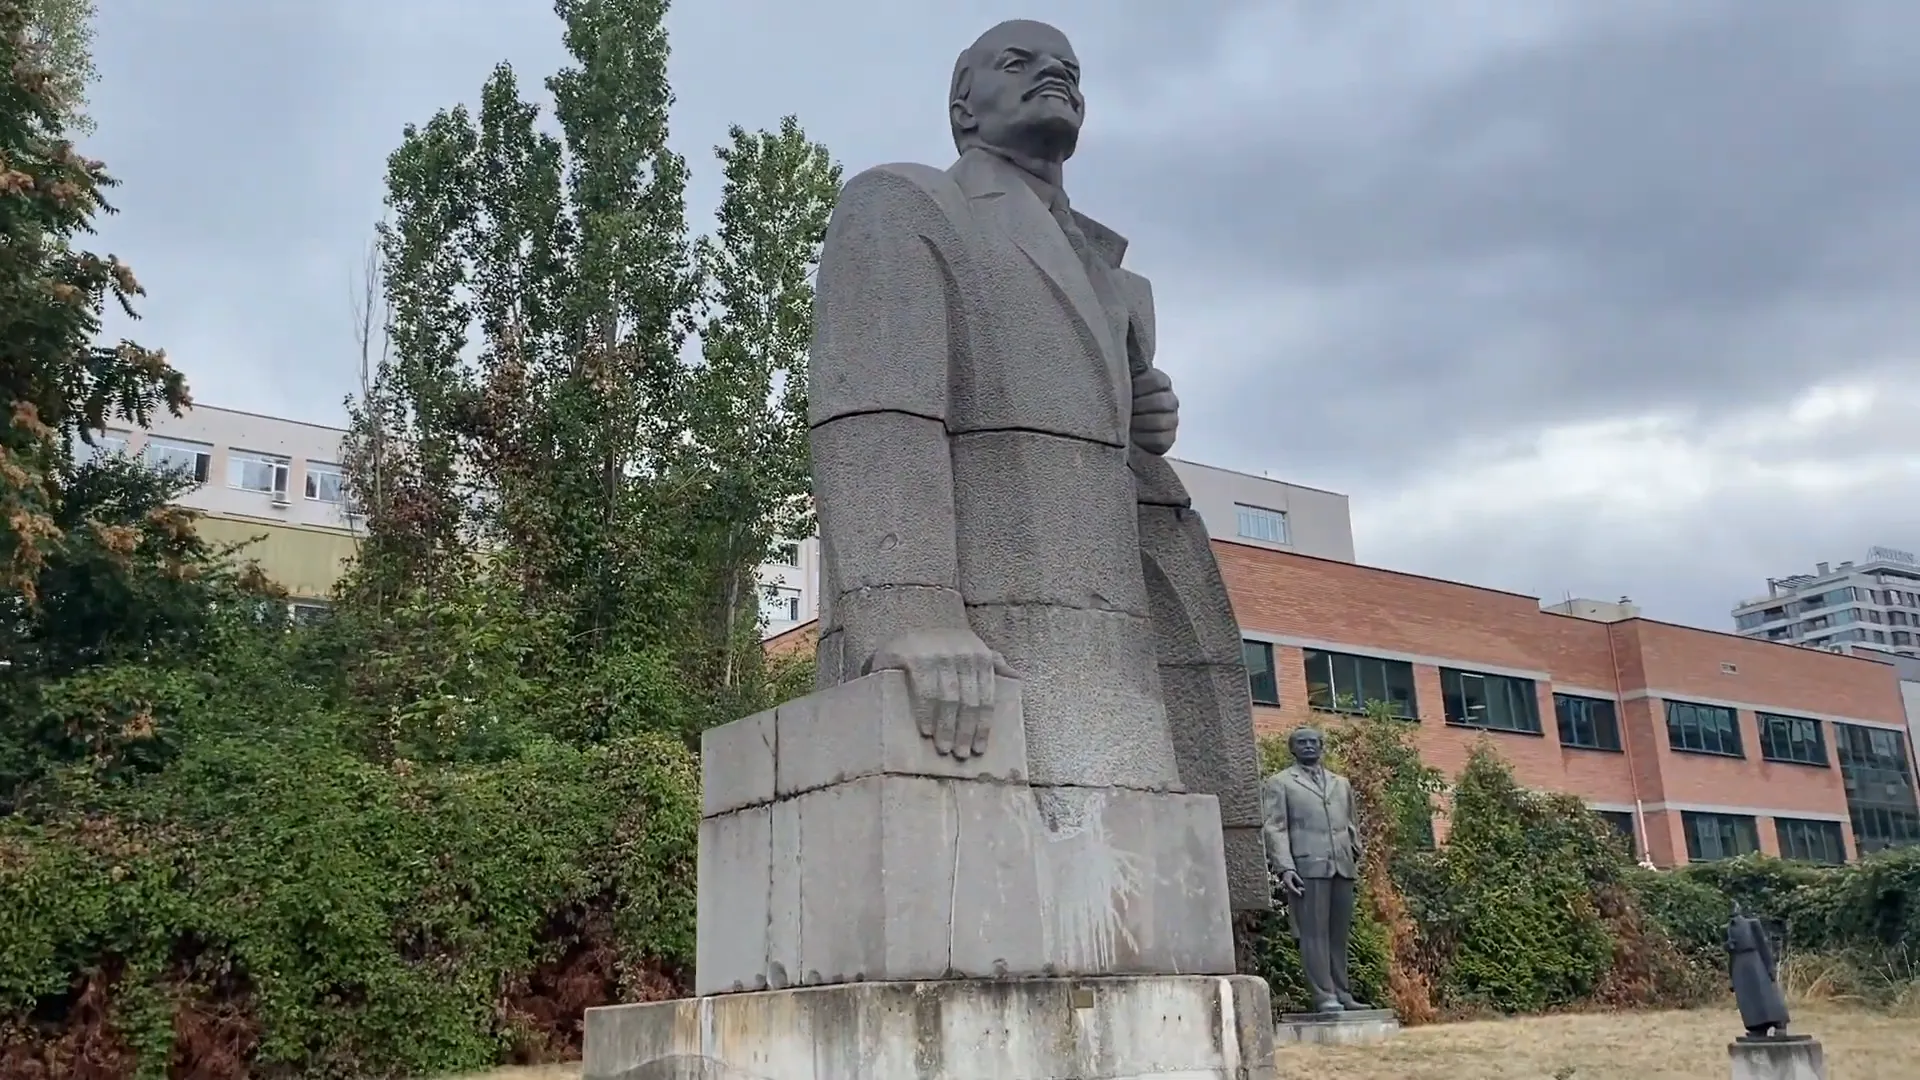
(1346, 1027)
(1179, 1027)
(1781, 1057)
(836, 846)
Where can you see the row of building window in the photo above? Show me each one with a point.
(1712, 836)
(1727, 836)
(1873, 761)
(246, 471)
(1832, 598)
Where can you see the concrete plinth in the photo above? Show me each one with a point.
(1346, 1027)
(1179, 1027)
(1781, 1057)
(838, 847)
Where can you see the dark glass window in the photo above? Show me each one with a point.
(1497, 702)
(1258, 656)
(1879, 781)
(1792, 738)
(1590, 723)
(1337, 682)
(1718, 836)
(1810, 841)
(1703, 729)
(1622, 821)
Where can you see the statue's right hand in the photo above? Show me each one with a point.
(950, 674)
(1291, 884)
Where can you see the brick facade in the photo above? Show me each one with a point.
(1296, 603)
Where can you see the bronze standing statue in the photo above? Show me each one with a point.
(1755, 976)
(1312, 832)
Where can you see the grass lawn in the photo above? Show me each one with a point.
(1603, 1046)
(1688, 1045)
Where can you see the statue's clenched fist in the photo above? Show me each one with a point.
(1156, 411)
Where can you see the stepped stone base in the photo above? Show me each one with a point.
(1180, 1027)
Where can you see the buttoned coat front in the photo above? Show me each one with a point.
(970, 400)
(1311, 825)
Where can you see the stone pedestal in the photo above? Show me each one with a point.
(1347, 1026)
(836, 846)
(1781, 1057)
(1178, 1027)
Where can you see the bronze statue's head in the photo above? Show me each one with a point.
(1017, 89)
(1306, 745)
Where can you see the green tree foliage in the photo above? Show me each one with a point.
(59, 38)
(274, 903)
(427, 833)
(543, 421)
(1521, 929)
(99, 577)
(56, 382)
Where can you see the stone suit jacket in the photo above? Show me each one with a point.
(957, 330)
(1311, 828)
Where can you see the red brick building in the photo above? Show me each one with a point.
(1701, 744)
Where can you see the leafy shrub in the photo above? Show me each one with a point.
(349, 918)
(1521, 928)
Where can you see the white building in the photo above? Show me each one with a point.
(1235, 506)
(275, 482)
(1873, 604)
(279, 482)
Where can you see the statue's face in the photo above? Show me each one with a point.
(1024, 94)
(1305, 745)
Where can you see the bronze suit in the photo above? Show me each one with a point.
(959, 328)
(1312, 828)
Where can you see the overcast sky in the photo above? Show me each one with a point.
(1597, 297)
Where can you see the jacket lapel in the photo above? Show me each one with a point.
(999, 196)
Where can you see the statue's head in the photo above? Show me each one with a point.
(1306, 745)
(1018, 89)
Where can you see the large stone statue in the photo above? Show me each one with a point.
(987, 435)
(1314, 847)
(1028, 767)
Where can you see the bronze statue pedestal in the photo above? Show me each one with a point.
(1777, 1057)
(1348, 1027)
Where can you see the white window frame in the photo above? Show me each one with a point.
(326, 468)
(107, 443)
(781, 603)
(238, 460)
(1246, 513)
(166, 454)
(320, 608)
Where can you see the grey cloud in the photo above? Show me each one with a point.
(1405, 226)
(1633, 213)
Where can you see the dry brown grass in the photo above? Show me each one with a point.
(1689, 1045)
(1609, 1046)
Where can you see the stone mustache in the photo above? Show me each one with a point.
(987, 431)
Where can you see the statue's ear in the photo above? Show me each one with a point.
(959, 113)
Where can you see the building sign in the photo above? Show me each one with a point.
(1887, 554)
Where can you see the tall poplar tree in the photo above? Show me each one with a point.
(542, 418)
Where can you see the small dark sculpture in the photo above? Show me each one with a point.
(1755, 977)
(1314, 849)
